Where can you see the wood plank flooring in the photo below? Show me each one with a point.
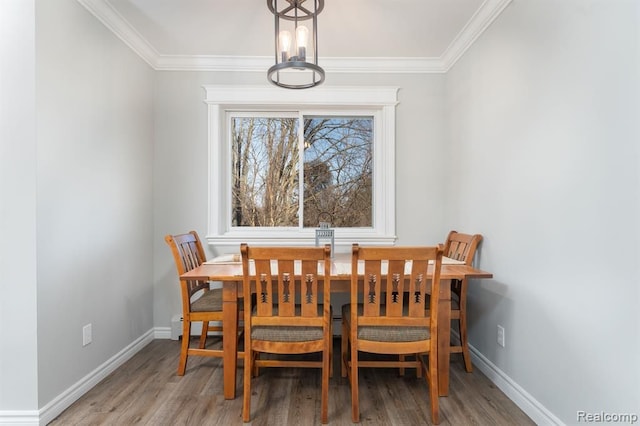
(147, 391)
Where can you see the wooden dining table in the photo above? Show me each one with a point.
(229, 272)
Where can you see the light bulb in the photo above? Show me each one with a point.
(302, 38)
(285, 44)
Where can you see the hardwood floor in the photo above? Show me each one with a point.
(147, 391)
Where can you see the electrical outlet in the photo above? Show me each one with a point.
(501, 335)
(86, 335)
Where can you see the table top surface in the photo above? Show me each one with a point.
(229, 268)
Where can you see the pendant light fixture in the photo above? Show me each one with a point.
(296, 45)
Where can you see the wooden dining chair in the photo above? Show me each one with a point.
(289, 317)
(461, 247)
(200, 303)
(380, 320)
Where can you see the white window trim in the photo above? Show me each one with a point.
(381, 101)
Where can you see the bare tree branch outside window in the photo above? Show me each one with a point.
(337, 171)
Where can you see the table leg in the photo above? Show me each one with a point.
(444, 336)
(230, 337)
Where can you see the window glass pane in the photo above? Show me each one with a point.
(338, 171)
(265, 167)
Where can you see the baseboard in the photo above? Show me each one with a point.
(525, 401)
(162, 333)
(19, 418)
(72, 394)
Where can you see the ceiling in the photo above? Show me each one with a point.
(353, 35)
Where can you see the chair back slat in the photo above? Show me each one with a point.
(309, 291)
(419, 287)
(395, 294)
(372, 278)
(264, 287)
(286, 288)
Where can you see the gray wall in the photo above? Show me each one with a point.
(18, 294)
(543, 114)
(94, 100)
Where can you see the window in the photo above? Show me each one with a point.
(282, 161)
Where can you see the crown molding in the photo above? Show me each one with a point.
(479, 22)
(115, 22)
